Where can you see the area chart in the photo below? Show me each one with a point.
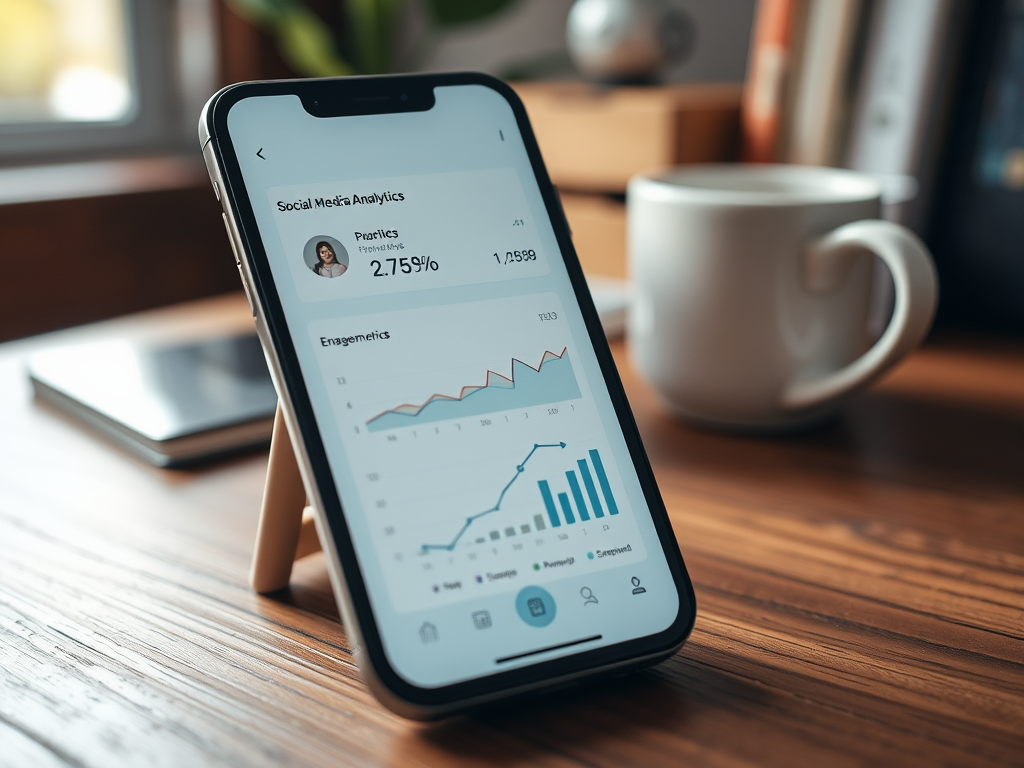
(551, 381)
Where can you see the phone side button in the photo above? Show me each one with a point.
(245, 287)
(234, 248)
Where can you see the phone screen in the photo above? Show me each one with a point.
(496, 514)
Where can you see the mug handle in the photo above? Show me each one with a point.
(916, 287)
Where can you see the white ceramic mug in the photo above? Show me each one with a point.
(751, 290)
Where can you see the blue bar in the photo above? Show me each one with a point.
(577, 495)
(602, 478)
(588, 482)
(549, 502)
(563, 499)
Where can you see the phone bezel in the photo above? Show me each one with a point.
(340, 91)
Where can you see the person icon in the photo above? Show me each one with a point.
(327, 261)
(325, 256)
(637, 589)
(588, 596)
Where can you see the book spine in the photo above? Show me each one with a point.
(902, 99)
(821, 102)
(767, 73)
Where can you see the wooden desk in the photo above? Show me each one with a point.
(860, 592)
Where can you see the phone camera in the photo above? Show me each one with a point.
(404, 97)
(316, 102)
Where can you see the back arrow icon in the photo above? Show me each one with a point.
(259, 154)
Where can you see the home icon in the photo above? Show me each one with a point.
(428, 633)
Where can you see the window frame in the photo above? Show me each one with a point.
(172, 70)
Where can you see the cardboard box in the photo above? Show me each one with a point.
(598, 224)
(595, 138)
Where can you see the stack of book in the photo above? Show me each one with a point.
(928, 96)
(855, 84)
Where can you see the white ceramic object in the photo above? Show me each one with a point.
(751, 289)
(625, 40)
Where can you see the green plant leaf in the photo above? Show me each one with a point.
(307, 45)
(452, 13)
(373, 24)
(304, 40)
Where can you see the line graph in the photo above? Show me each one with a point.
(449, 427)
(520, 467)
(551, 381)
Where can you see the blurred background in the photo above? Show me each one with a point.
(105, 206)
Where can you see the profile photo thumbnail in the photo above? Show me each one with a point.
(325, 256)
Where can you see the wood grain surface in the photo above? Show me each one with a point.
(860, 598)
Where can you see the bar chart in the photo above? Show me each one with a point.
(474, 452)
(510, 531)
(569, 510)
(576, 508)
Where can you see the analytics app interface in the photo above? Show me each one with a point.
(497, 517)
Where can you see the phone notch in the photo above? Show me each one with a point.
(368, 96)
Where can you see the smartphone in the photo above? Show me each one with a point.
(490, 520)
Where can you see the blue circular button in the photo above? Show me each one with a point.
(535, 606)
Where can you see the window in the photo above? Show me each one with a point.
(64, 61)
(86, 78)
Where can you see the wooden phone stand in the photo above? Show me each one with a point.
(286, 530)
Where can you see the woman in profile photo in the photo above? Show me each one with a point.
(327, 264)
